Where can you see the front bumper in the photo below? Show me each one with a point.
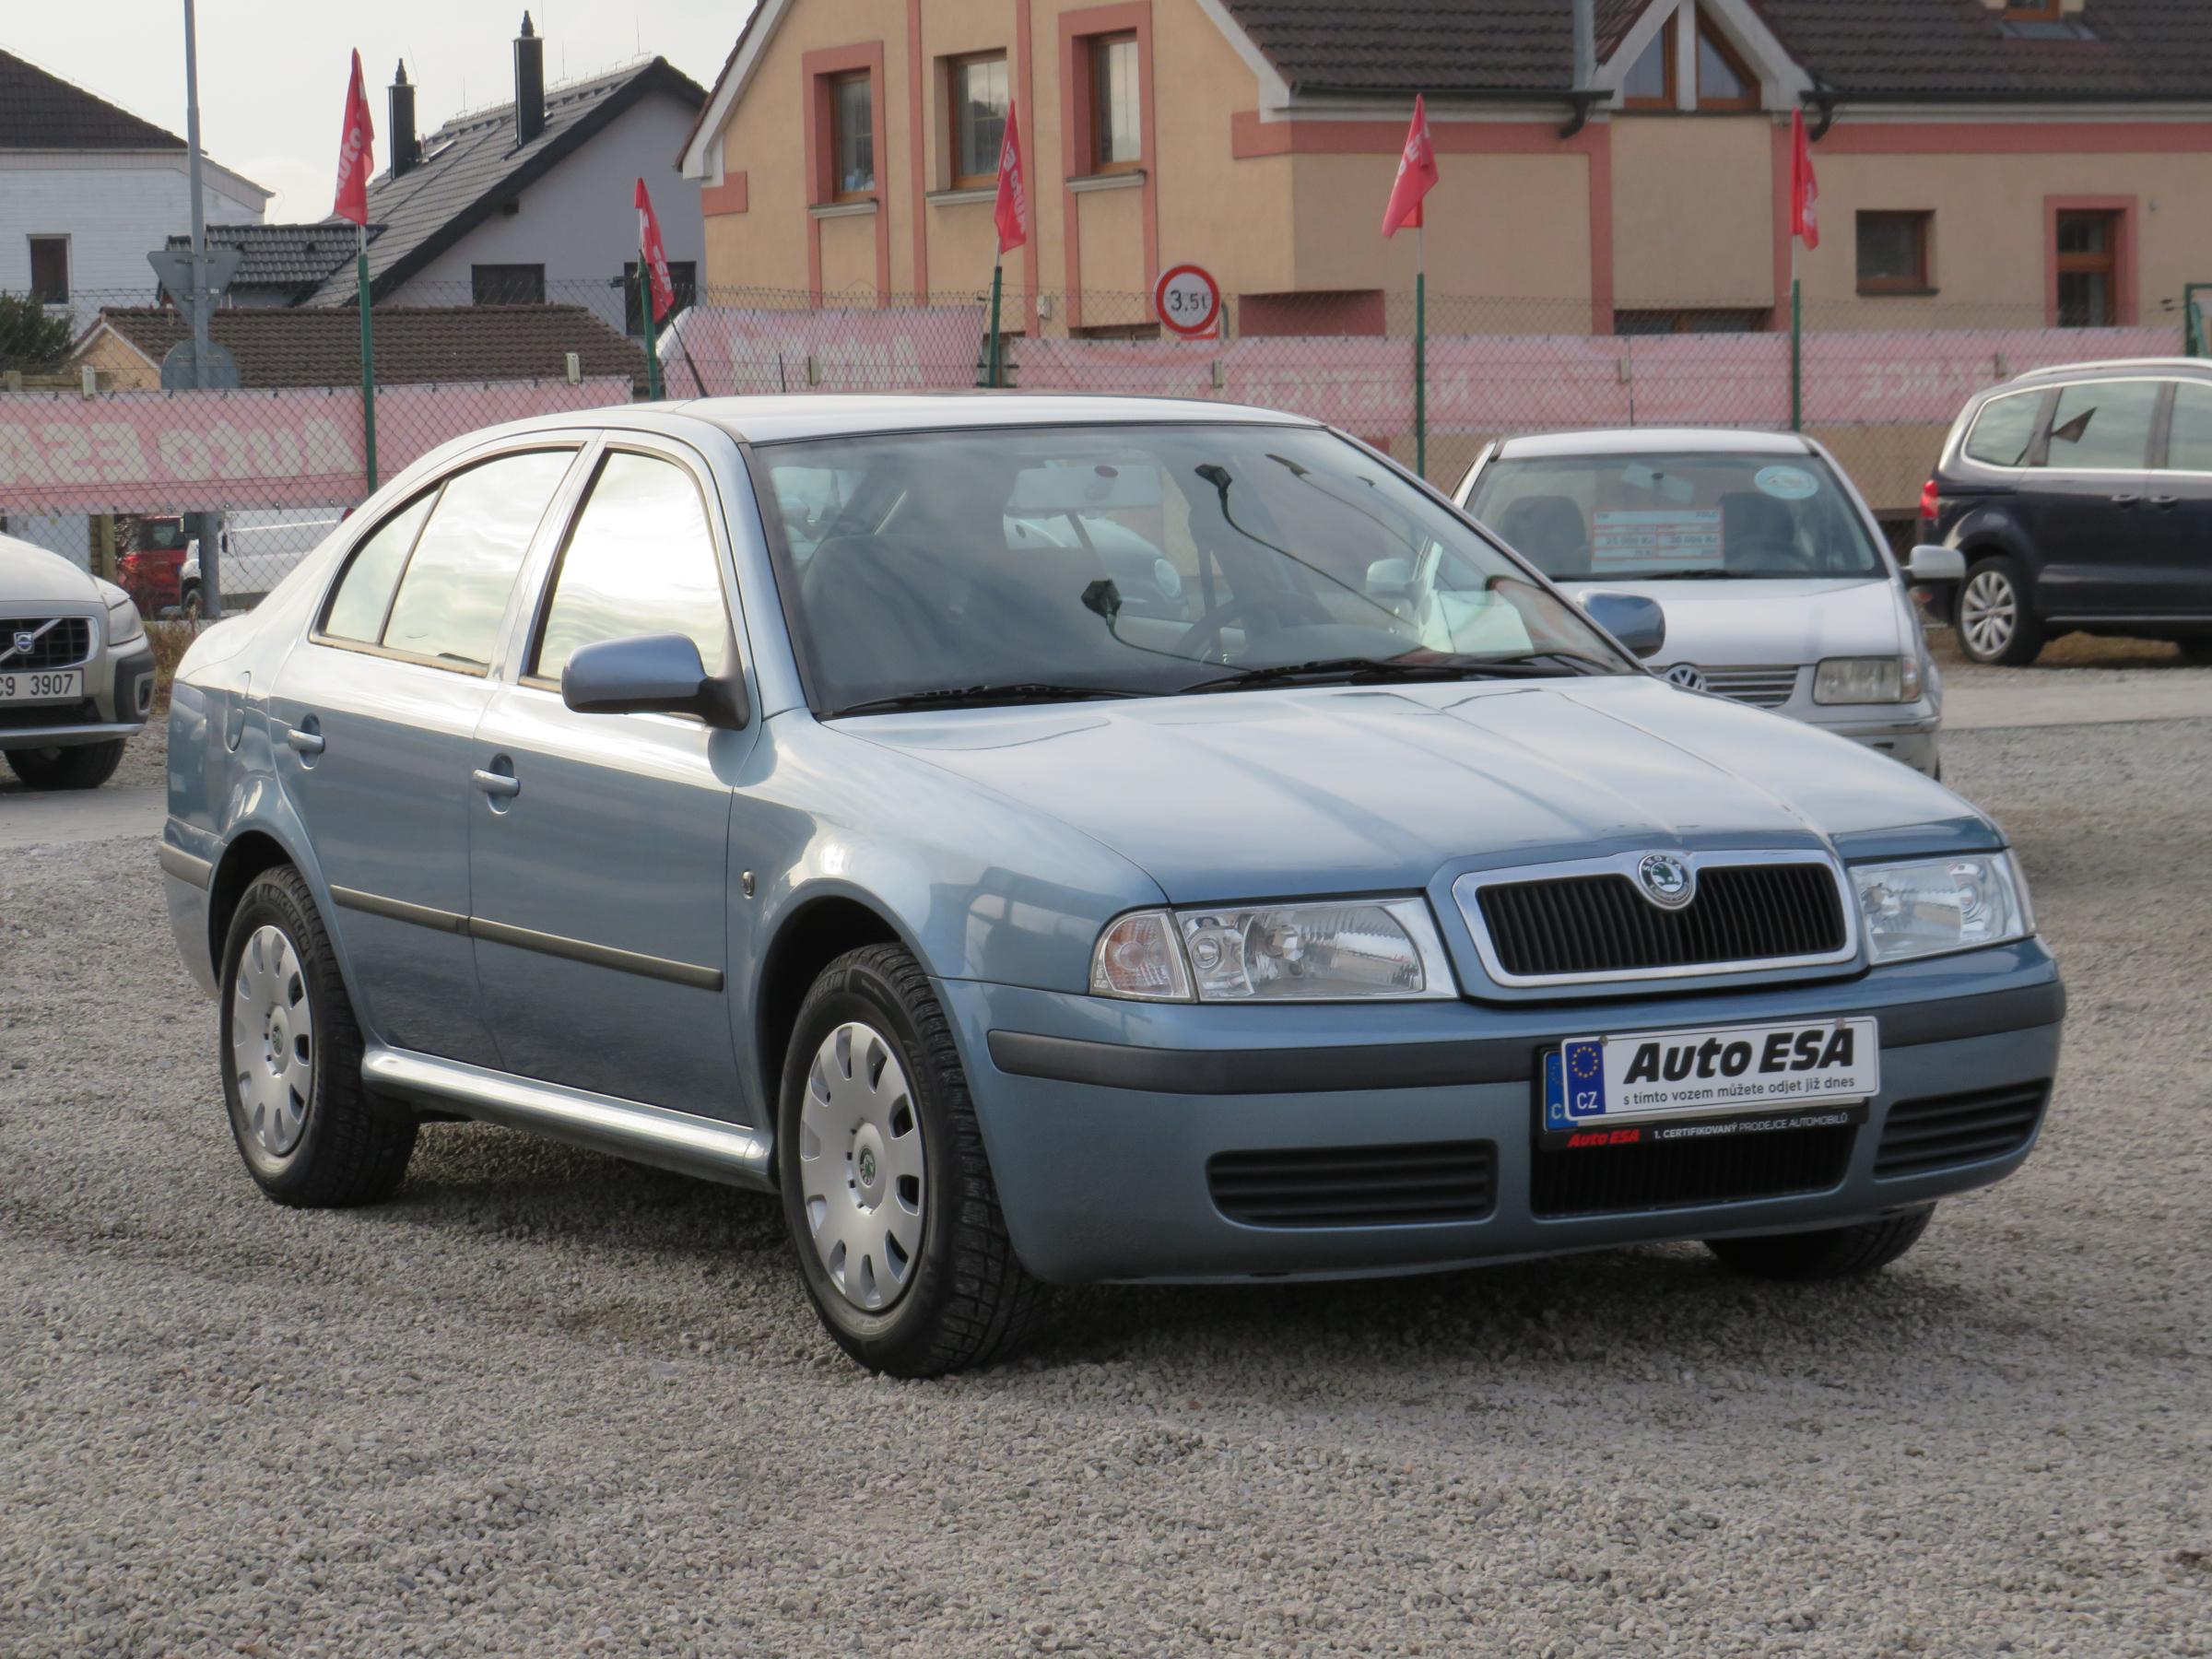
(119, 689)
(1906, 733)
(1100, 1118)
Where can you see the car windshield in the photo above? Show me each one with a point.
(1675, 517)
(1028, 564)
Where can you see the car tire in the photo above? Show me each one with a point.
(191, 604)
(2198, 651)
(1995, 623)
(1833, 1252)
(887, 1190)
(83, 766)
(310, 1134)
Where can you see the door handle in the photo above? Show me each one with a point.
(2165, 501)
(2126, 500)
(303, 740)
(503, 786)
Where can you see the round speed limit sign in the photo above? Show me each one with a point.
(1188, 302)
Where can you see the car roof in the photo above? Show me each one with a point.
(2171, 365)
(839, 415)
(1649, 441)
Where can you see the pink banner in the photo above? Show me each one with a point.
(183, 452)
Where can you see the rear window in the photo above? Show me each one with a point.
(2005, 431)
(2104, 425)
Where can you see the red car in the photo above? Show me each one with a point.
(151, 571)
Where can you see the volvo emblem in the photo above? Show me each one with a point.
(25, 640)
(1686, 676)
(1666, 880)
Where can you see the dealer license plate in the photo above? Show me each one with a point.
(42, 685)
(1643, 1075)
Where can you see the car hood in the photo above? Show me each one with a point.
(31, 575)
(1719, 624)
(1271, 793)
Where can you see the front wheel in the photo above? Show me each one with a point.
(887, 1193)
(83, 766)
(1995, 622)
(1832, 1253)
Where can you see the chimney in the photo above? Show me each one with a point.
(406, 149)
(529, 84)
(1585, 43)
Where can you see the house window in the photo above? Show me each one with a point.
(683, 277)
(1723, 320)
(1650, 81)
(1116, 138)
(50, 269)
(507, 284)
(1723, 83)
(853, 135)
(978, 100)
(2088, 264)
(1893, 252)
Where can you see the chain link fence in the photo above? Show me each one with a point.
(111, 471)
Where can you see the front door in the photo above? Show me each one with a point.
(2179, 577)
(599, 842)
(372, 719)
(2086, 504)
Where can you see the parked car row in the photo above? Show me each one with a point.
(1061, 839)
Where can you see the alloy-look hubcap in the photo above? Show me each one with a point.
(860, 1166)
(273, 1040)
(1987, 614)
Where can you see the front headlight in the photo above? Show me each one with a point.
(1327, 952)
(1935, 905)
(1867, 680)
(123, 626)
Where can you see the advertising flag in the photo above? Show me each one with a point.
(1012, 214)
(655, 254)
(1416, 174)
(1804, 189)
(354, 162)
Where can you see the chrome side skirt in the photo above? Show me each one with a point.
(682, 1141)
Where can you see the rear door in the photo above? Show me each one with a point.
(2179, 582)
(2084, 505)
(373, 718)
(600, 867)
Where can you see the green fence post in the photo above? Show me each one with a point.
(362, 299)
(998, 278)
(1421, 350)
(1796, 356)
(652, 353)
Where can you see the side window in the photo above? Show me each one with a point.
(454, 592)
(357, 610)
(2191, 449)
(2005, 431)
(641, 560)
(2105, 424)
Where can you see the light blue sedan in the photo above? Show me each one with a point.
(748, 787)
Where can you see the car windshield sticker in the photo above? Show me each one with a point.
(1787, 483)
(1622, 543)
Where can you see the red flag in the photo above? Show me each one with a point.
(1012, 214)
(655, 254)
(355, 164)
(1416, 174)
(1804, 189)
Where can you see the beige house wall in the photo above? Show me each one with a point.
(1693, 211)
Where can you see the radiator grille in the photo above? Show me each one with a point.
(1761, 688)
(64, 645)
(1357, 1186)
(1601, 923)
(1934, 1134)
(1673, 1174)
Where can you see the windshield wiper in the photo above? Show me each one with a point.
(1358, 671)
(1020, 691)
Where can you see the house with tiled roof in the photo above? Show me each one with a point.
(2019, 162)
(281, 264)
(528, 200)
(88, 190)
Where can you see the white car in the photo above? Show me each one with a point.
(77, 674)
(1778, 588)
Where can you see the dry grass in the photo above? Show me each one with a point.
(171, 641)
(2076, 651)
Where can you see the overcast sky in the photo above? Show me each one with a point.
(273, 73)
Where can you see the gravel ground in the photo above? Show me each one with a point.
(546, 1403)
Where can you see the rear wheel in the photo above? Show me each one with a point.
(1833, 1252)
(83, 766)
(190, 605)
(887, 1193)
(1995, 623)
(291, 1054)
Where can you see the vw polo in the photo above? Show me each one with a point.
(820, 796)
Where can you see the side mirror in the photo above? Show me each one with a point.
(1931, 563)
(654, 674)
(1637, 622)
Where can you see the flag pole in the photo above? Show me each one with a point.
(360, 293)
(998, 277)
(1796, 342)
(652, 353)
(1420, 346)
